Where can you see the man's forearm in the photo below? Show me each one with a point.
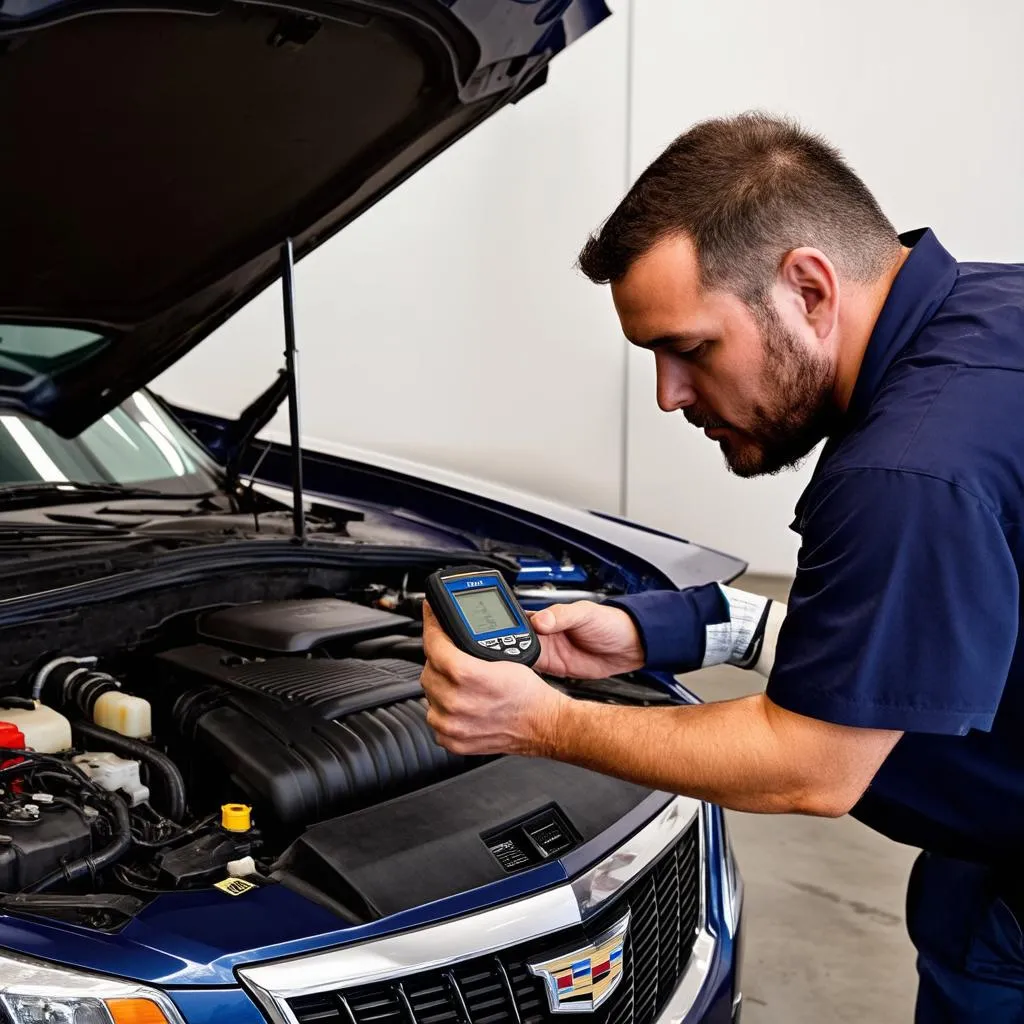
(771, 761)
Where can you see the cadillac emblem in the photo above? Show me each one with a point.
(579, 982)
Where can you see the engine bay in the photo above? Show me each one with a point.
(275, 740)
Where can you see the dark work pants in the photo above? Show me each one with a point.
(970, 948)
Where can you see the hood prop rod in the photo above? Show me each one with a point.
(291, 362)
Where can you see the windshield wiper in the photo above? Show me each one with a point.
(74, 490)
(71, 486)
(51, 528)
(46, 492)
(15, 536)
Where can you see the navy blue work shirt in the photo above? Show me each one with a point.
(905, 612)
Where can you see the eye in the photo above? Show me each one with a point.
(695, 352)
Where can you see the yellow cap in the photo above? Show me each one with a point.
(236, 817)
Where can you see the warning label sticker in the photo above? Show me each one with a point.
(234, 886)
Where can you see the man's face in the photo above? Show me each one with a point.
(759, 386)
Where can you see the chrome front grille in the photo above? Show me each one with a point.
(664, 902)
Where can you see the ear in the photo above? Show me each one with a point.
(809, 282)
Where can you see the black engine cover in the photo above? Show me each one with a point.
(32, 850)
(301, 738)
(294, 627)
(433, 844)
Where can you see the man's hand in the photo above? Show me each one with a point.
(584, 640)
(483, 707)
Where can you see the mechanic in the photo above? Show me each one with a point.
(782, 309)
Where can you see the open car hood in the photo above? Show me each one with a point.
(158, 155)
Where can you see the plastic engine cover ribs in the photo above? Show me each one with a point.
(302, 738)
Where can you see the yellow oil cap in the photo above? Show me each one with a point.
(236, 817)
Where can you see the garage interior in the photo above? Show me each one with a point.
(509, 208)
(466, 274)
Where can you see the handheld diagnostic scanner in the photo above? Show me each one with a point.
(478, 610)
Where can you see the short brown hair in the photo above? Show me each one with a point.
(747, 190)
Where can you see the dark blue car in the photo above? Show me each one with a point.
(220, 802)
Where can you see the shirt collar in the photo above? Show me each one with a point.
(919, 289)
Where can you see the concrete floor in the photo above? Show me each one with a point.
(825, 933)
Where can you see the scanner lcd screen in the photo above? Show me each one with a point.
(485, 610)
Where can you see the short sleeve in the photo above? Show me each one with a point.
(904, 611)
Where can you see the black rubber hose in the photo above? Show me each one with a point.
(29, 761)
(136, 750)
(110, 854)
(68, 682)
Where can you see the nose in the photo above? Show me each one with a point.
(675, 385)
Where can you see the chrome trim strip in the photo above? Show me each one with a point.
(424, 949)
(605, 879)
(488, 931)
(681, 1001)
(703, 837)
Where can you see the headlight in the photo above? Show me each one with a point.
(33, 992)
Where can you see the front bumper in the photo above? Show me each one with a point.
(703, 993)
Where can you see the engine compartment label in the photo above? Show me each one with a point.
(234, 886)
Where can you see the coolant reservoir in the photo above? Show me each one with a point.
(114, 773)
(125, 714)
(45, 730)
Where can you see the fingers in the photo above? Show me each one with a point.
(559, 618)
(440, 691)
(429, 619)
(440, 650)
(451, 712)
(448, 668)
(446, 729)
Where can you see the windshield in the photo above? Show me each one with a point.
(31, 351)
(136, 443)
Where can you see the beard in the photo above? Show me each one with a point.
(796, 412)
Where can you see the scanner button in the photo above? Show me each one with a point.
(488, 643)
(507, 640)
(512, 650)
(524, 644)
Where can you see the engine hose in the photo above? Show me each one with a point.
(110, 854)
(174, 784)
(29, 761)
(69, 681)
(87, 688)
(73, 664)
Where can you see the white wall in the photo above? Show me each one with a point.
(414, 321)
(466, 269)
(927, 103)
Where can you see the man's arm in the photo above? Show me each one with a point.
(747, 754)
(903, 617)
